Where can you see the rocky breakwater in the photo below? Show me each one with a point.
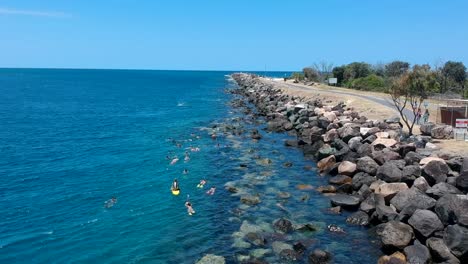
(414, 196)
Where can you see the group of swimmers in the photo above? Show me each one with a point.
(175, 188)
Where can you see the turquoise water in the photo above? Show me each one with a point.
(72, 139)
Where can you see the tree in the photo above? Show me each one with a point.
(297, 76)
(396, 68)
(311, 74)
(356, 70)
(409, 91)
(379, 69)
(338, 73)
(324, 68)
(454, 71)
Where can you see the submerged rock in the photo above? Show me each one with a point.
(320, 257)
(211, 259)
(283, 225)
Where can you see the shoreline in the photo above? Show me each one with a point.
(397, 186)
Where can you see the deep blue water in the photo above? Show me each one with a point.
(72, 139)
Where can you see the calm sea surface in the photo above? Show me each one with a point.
(72, 139)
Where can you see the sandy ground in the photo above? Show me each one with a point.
(372, 110)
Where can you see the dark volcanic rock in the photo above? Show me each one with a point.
(283, 225)
(441, 189)
(417, 254)
(368, 165)
(389, 173)
(408, 201)
(345, 201)
(383, 213)
(456, 239)
(256, 239)
(435, 171)
(289, 255)
(385, 155)
(362, 178)
(452, 209)
(413, 158)
(358, 218)
(440, 252)
(348, 132)
(320, 257)
(462, 181)
(426, 128)
(340, 179)
(395, 234)
(425, 222)
(368, 205)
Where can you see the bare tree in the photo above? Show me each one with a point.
(324, 68)
(410, 90)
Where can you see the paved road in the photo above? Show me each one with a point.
(387, 102)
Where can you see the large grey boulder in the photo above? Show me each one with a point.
(426, 128)
(413, 158)
(385, 155)
(452, 209)
(441, 189)
(354, 143)
(348, 132)
(456, 239)
(383, 213)
(435, 171)
(425, 222)
(462, 181)
(362, 178)
(442, 132)
(345, 200)
(408, 201)
(368, 165)
(388, 190)
(368, 205)
(347, 168)
(358, 218)
(417, 254)
(389, 173)
(421, 184)
(411, 173)
(440, 252)
(395, 234)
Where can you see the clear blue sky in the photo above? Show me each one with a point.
(229, 35)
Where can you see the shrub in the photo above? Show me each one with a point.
(369, 83)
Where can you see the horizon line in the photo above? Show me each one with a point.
(139, 69)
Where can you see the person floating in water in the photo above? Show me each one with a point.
(111, 202)
(189, 207)
(201, 184)
(187, 156)
(175, 185)
(211, 191)
(185, 171)
(174, 160)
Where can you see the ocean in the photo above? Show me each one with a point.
(71, 140)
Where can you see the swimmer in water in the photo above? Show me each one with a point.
(187, 156)
(201, 184)
(175, 185)
(111, 202)
(190, 210)
(174, 160)
(211, 191)
(185, 171)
